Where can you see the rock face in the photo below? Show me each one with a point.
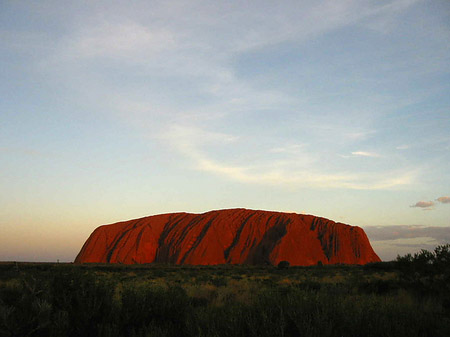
(234, 236)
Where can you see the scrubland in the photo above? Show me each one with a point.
(407, 297)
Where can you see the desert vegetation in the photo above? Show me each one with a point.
(406, 297)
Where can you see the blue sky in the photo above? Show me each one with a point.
(111, 110)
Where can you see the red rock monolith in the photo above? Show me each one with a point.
(232, 236)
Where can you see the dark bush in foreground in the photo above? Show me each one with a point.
(428, 273)
(283, 265)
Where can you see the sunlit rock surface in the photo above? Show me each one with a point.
(234, 236)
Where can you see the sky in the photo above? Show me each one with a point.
(114, 110)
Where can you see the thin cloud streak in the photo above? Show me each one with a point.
(190, 140)
(365, 154)
(360, 135)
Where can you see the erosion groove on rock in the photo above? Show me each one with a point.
(234, 236)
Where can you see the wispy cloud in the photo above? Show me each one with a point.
(195, 48)
(308, 21)
(361, 135)
(444, 200)
(191, 141)
(289, 149)
(365, 154)
(402, 147)
(425, 205)
(429, 205)
(385, 23)
(125, 41)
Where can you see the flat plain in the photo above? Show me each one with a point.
(380, 299)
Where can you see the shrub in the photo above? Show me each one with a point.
(283, 265)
